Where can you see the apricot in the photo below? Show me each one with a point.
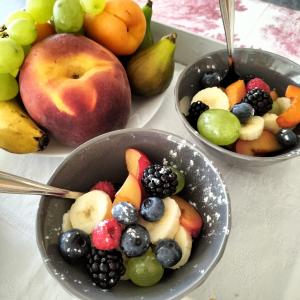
(120, 27)
(43, 31)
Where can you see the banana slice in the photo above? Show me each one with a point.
(167, 226)
(284, 104)
(89, 209)
(213, 97)
(270, 123)
(66, 222)
(253, 129)
(184, 240)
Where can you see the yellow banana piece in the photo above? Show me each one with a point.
(18, 133)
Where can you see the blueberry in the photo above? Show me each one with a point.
(135, 240)
(243, 111)
(287, 138)
(210, 79)
(168, 253)
(152, 209)
(74, 244)
(125, 213)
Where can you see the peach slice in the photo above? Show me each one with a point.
(136, 162)
(129, 192)
(292, 92)
(236, 92)
(266, 143)
(190, 218)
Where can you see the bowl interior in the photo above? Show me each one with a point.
(277, 71)
(103, 159)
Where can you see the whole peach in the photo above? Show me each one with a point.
(75, 88)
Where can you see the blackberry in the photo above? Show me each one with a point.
(159, 181)
(196, 109)
(259, 100)
(105, 267)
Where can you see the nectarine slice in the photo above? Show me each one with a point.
(236, 92)
(291, 117)
(292, 92)
(274, 95)
(266, 143)
(129, 192)
(190, 218)
(136, 162)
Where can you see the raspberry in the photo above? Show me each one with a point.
(106, 235)
(106, 187)
(258, 83)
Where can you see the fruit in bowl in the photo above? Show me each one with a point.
(135, 226)
(251, 116)
(150, 232)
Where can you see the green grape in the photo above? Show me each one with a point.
(26, 49)
(68, 16)
(93, 6)
(145, 270)
(180, 179)
(23, 31)
(8, 87)
(219, 126)
(41, 10)
(12, 55)
(20, 14)
(15, 73)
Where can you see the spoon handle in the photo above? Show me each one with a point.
(227, 8)
(12, 184)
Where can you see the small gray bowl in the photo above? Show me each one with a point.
(103, 158)
(276, 70)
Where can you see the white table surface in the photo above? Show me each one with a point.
(262, 258)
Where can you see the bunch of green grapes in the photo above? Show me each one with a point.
(19, 33)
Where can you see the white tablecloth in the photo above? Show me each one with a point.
(261, 260)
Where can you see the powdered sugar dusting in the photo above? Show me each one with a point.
(201, 182)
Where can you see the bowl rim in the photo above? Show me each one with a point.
(220, 149)
(190, 287)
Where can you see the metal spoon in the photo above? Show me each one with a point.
(227, 8)
(12, 184)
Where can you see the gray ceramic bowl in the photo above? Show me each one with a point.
(276, 70)
(103, 158)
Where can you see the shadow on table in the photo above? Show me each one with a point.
(293, 4)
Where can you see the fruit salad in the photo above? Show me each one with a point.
(247, 116)
(133, 233)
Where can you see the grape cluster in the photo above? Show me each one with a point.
(21, 30)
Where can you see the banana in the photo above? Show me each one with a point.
(167, 226)
(213, 97)
(18, 133)
(148, 38)
(270, 123)
(253, 129)
(184, 240)
(284, 104)
(281, 105)
(89, 209)
(66, 222)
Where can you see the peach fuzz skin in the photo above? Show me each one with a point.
(75, 88)
(126, 30)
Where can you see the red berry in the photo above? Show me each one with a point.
(258, 83)
(106, 187)
(106, 235)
